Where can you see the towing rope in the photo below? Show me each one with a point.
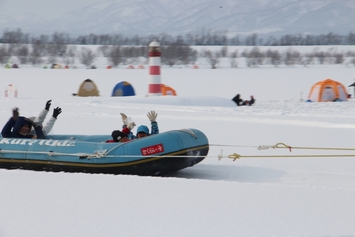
(283, 145)
(234, 156)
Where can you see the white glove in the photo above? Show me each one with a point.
(131, 125)
(152, 116)
(124, 118)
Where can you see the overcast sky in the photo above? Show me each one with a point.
(49, 9)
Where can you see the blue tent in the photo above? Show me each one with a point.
(123, 89)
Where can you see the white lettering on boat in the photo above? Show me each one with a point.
(30, 142)
(151, 150)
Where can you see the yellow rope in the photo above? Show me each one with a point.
(283, 145)
(236, 156)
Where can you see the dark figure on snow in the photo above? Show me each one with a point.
(249, 102)
(245, 102)
(237, 99)
(252, 100)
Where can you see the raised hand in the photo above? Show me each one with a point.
(48, 105)
(124, 118)
(152, 116)
(56, 112)
(131, 125)
(15, 113)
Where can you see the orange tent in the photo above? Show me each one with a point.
(140, 66)
(130, 67)
(328, 90)
(195, 67)
(167, 90)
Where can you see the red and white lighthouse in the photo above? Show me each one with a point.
(154, 69)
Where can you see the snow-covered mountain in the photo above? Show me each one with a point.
(141, 17)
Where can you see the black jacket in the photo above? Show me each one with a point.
(12, 129)
(237, 99)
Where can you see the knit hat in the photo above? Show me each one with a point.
(26, 123)
(143, 128)
(117, 135)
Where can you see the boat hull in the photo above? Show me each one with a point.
(155, 155)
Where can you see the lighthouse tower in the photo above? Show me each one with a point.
(154, 69)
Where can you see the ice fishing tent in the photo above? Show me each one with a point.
(328, 90)
(88, 88)
(167, 90)
(123, 89)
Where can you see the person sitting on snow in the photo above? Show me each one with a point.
(143, 130)
(237, 99)
(252, 100)
(245, 102)
(42, 115)
(20, 127)
(249, 102)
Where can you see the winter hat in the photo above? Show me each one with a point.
(143, 128)
(26, 123)
(117, 135)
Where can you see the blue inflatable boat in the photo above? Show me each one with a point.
(153, 155)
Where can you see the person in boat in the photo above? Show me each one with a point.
(42, 116)
(119, 136)
(143, 130)
(237, 99)
(20, 127)
(122, 136)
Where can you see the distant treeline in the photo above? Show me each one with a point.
(201, 37)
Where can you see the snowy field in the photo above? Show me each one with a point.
(265, 193)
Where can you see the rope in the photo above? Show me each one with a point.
(234, 156)
(51, 153)
(283, 145)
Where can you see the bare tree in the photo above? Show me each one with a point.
(15, 37)
(308, 59)
(87, 56)
(38, 50)
(353, 61)
(291, 57)
(105, 50)
(4, 54)
(224, 51)
(275, 57)
(213, 58)
(233, 58)
(339, 58)
(23, 53)
(71, 55)
(255, 57)
(251, 39)
(115, 55)
(177, 53)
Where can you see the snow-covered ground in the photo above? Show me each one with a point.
(257, 195)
